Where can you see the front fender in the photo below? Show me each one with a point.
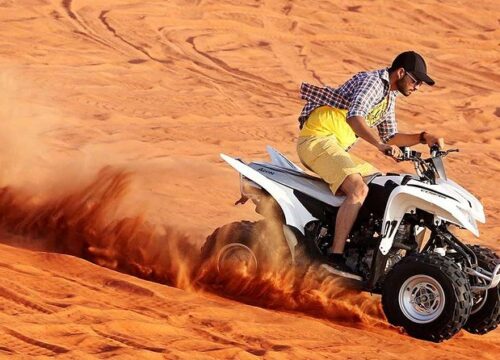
(477, 209)
(406, 199)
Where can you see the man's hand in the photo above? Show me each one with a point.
(431, 139)
(390, 150)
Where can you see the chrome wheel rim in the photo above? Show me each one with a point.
(236, 257)
(422, 299)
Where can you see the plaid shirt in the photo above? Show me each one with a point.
(359, 95)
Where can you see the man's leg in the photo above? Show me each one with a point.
(356, 191)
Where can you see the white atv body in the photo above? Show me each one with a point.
(431, 285)
(447, 200)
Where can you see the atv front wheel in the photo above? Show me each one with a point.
(485, 314)
(428, 295)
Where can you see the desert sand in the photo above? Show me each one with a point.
(112, 118)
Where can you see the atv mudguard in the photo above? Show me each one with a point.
(415, 195)
(296, 215)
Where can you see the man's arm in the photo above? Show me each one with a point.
(360, 128)
(358, 124)
(400, 139)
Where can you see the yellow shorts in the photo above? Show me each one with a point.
(324, 156)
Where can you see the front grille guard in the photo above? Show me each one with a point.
(492, 279)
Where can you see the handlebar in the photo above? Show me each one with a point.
(408, 154)
(428, 169)
(434, 148)
(412, 155)
(437, 152)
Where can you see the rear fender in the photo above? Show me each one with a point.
(279, 159)
(295, 213)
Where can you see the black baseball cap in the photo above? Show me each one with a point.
(414, 64)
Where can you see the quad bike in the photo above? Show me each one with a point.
(400, 246)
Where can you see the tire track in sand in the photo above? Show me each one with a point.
(87, 32)
(19, 300)
(18, 343)
(240, 73)
(105, 22)
(129, 342)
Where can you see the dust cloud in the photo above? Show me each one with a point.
(82, 223)
(56, 201)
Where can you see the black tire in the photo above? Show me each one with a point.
(487, 317)
(263, 241)
(429, 276)
(236, 241)
(237, 232)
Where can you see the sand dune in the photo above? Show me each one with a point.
(112, 118)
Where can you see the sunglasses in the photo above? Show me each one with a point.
(415, 81)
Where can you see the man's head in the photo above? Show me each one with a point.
(408, 71)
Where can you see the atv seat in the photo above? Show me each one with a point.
(300, 181)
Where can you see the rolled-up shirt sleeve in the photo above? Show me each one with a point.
(365, 97)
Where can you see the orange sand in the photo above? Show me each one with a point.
(112, 118)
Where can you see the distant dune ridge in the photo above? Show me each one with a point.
(112, 118)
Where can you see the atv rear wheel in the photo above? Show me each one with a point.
(485, 314)
(230, 246)
(237, 257)
(428, 295)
